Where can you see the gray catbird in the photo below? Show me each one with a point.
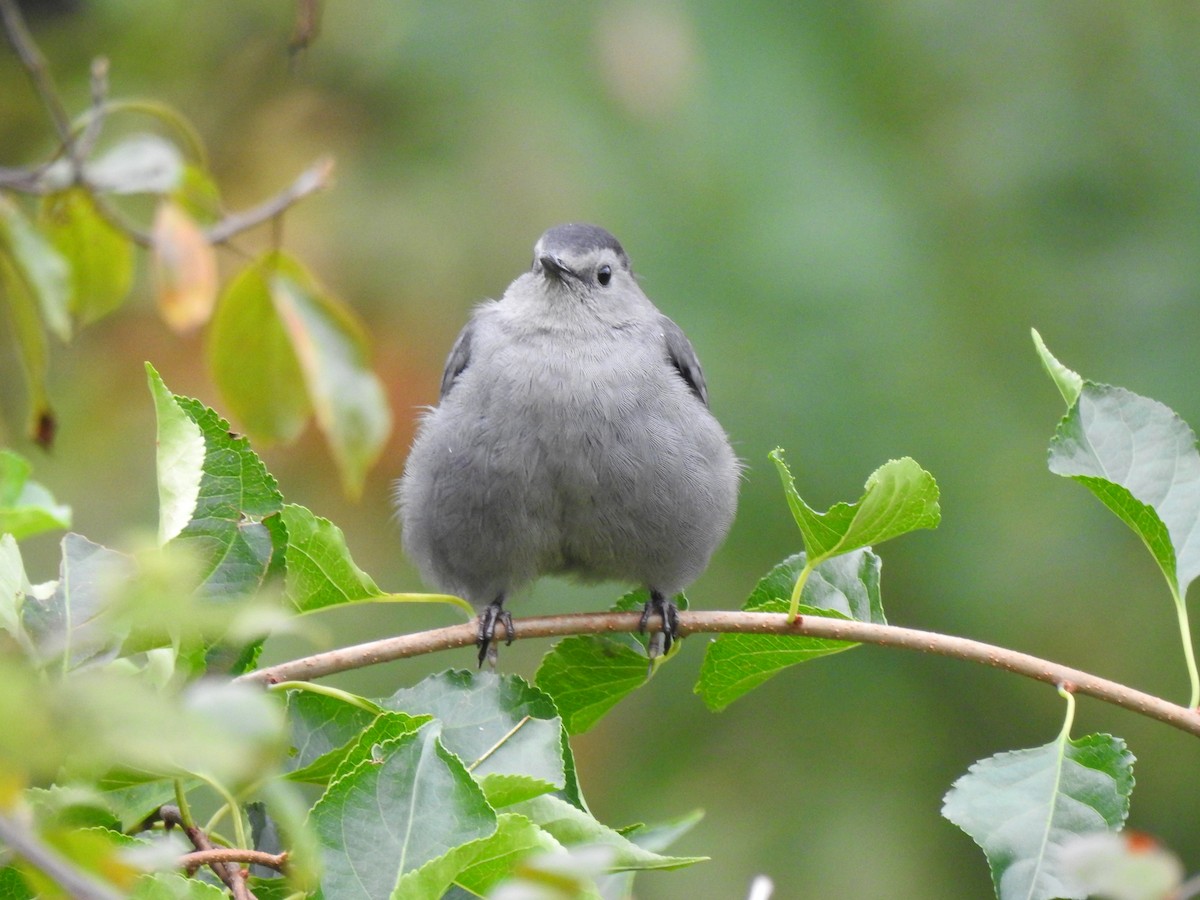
(573, 436)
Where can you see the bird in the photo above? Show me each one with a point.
(572, 436)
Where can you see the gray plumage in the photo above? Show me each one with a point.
(572, 436)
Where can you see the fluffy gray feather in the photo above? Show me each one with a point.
(573, 436)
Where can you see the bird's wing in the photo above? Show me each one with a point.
(683, 358)
(460, 356)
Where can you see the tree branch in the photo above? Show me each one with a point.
(229, 872)
(702, 622)
(39, 73)
(198, 858)
(77, 146)
(312, 179)
(74, 882)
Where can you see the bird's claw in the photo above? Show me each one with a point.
(661, 641)
(485, 640)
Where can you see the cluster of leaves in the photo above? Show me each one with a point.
(70, 259)
(465, 783)
(1048, 818)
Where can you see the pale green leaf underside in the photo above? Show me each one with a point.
(1140, 460)
(1020, 807)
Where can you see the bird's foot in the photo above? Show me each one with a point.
(491, 614)
(661, 641)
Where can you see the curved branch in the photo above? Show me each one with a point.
(703, 622)
(198, 858)
(312, 179)
(229, 872)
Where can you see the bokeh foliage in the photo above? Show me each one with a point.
(856, 211)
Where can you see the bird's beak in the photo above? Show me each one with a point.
(554, 266)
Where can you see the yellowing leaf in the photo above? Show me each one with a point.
(185, 269)
(332, 349)
(100, 256)
(36, 263)
(32, 346)
(253, 363)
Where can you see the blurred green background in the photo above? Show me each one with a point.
(856, 211)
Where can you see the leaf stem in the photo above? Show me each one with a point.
(1069, 720)
(742, 622)
(327, 691)
(185, 812)
(235, 811)
(798, 590)
(1189, 652)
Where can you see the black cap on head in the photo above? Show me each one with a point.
(578, 238)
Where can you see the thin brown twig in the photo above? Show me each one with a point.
(311, 180)
(229, 872)
(95, 120)
(39, 73)
(76, 148)
(726, 622)
(198, 858)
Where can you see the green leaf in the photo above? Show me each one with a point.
(73, 627)
(40, 269)
(26, 508)
(1023, 806)
(587, 675)
(32, 347)
(328, 733)
(479, 866)
(132, 804)
(506, 731)
(13, 886)
(573, 827)
(180, 460)
(322, 724)
(14, 588)
(198, 195)
(173, 886)
(1069, 383)
(845, 586)
(409, 804)
(253, 362)
(1140, 460)
(282, 348)
(320, 572)
(214, 493)
(100, 256)
(899, 497)
(333, 353)
(657, 837)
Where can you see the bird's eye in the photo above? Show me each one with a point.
(604, 275)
